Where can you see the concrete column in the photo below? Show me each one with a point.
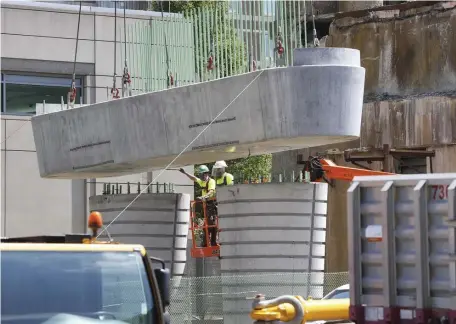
(78, 206)
(274, 235)
(159, 222)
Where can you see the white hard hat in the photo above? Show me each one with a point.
(220, 164)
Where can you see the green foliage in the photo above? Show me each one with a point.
(252, 167)
(181, 6)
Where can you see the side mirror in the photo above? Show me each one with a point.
(163, 278)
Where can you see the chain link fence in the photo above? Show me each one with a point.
(210, 299)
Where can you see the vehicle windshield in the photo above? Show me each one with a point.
(72, 287)
(339, 294)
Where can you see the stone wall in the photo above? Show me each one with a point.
(405, 51)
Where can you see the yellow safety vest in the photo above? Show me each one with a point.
(206, 185)
(226, 180)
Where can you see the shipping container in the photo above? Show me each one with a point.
(401, 241)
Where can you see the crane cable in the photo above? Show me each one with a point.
(114, 90)
(182, 152)
(169, 75)
(71, 96)
(315, 38)
(126, 78)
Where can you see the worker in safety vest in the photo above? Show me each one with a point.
(208, 191)
(222, 178)
(204, 181)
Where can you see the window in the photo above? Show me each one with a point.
(338, 294)
(97, 285)
(22, 93)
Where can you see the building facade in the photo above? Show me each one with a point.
(37, 59)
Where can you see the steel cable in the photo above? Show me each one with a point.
(178, 155)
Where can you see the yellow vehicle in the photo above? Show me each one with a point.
(77, 279)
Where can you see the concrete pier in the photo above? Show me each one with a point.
(315, 102)
(273, 234)
(159, 222)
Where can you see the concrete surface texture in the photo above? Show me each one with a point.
(283, 109)
(407, 49)
(157, 221)
(411, 122)
(272, 234)
(61, 203)
(358, 5)
(336, 256)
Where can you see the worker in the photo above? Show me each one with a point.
(207, 184)
(222, 178)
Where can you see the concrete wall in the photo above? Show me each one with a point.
(39, 39)
(159, 222)
(268, 229)
(31, 205)
(410, 122)
(404, 51)
(358, 5)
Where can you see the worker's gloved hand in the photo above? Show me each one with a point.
(181, 170)
(201, 198)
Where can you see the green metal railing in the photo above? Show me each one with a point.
(147, 53)
(238, 36)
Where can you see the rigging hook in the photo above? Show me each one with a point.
(126, 77)
(114, 90)
(71, 95)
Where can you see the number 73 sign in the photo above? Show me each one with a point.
(439, 192)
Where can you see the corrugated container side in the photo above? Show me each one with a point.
(402, 248)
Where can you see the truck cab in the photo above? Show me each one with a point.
(76, 279)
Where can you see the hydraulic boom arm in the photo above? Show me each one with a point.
(326, 170)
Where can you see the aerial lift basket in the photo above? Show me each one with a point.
(200, 227)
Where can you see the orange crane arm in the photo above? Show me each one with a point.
(326, 170)
(333, 171)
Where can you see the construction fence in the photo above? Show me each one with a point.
(210, 299)
(207, 43)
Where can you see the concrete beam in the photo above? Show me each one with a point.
(316, 102)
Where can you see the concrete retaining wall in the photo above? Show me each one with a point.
(159, 222)
(406, 50)
(268, 229)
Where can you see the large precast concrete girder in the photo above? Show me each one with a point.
(317, 101)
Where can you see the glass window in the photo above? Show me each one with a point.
(40, 80)
(22, 98)
(40, 285)
(339, 294)
(2, 95)
(22, 93)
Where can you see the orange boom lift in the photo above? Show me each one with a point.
(320, 170)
